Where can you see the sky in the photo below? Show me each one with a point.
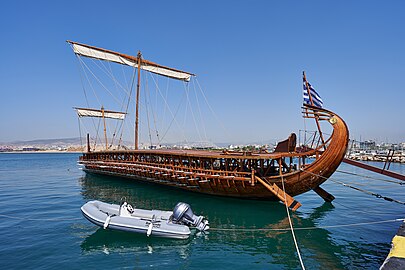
(248, 56)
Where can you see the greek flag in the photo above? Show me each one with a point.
(316, 98)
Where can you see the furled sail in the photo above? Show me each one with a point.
(84, 112)
(123, 59)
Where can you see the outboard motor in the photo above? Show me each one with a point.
(182, 214)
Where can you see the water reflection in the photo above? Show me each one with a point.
(319, 248)
(108, 241)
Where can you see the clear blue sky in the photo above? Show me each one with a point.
(248, 55)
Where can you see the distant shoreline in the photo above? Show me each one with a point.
(42, 152)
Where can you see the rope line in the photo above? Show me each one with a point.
(291, 226)
(308, 228)
(359, 189)
(373, 178)
(237, 229)
(40, 219)
(369, 192)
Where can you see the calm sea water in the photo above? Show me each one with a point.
(42, 227)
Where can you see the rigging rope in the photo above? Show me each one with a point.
(186, 89)
(199, 111)
(168, 107)
(84, 89)
(154, 114)
(291, 226)
(80, 133)
(212, 111)
(147, 93)
(129, 100)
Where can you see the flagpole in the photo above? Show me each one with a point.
(316, 115)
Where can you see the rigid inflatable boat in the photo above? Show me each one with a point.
(171, 224)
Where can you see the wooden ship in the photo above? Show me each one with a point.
(286, 172)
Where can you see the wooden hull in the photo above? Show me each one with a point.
(237, 173)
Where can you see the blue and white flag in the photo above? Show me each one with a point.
(316, 98)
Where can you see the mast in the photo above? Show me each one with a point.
(312, 103)
(133, 61)
(100, 113)
(137, 101)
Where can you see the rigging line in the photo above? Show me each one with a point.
(123, 100)
(307, 228)
(165, 98)
(154, 112)
(359, 189)
(173, 119)
(199, 111)
(185, 116)
(373, 178)
(187, 89)
(152, 108)
(81, 80)
(212, 111)
(168, 107)
(80, 133)
(113, 78)
(146, 89)
(129, 100)
(291, 226)
(98, 80)
(109, 73)
(84, 89)
(98, 129)
(131, 87)
(88, 81)
(125, 77)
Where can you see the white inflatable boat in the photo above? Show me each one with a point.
(170, 224)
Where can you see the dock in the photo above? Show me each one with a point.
(396, 258)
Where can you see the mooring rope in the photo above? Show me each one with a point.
(359, 189)
(369, 192)
(291, 226)
(39, 219)
(373, 178)
(238, 229)
(306, 228)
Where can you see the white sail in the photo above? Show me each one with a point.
(81, 112)
(123, 59)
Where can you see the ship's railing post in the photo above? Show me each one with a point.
(252, 182)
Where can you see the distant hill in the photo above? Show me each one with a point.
(40, 142)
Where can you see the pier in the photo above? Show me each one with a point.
(396, 257)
